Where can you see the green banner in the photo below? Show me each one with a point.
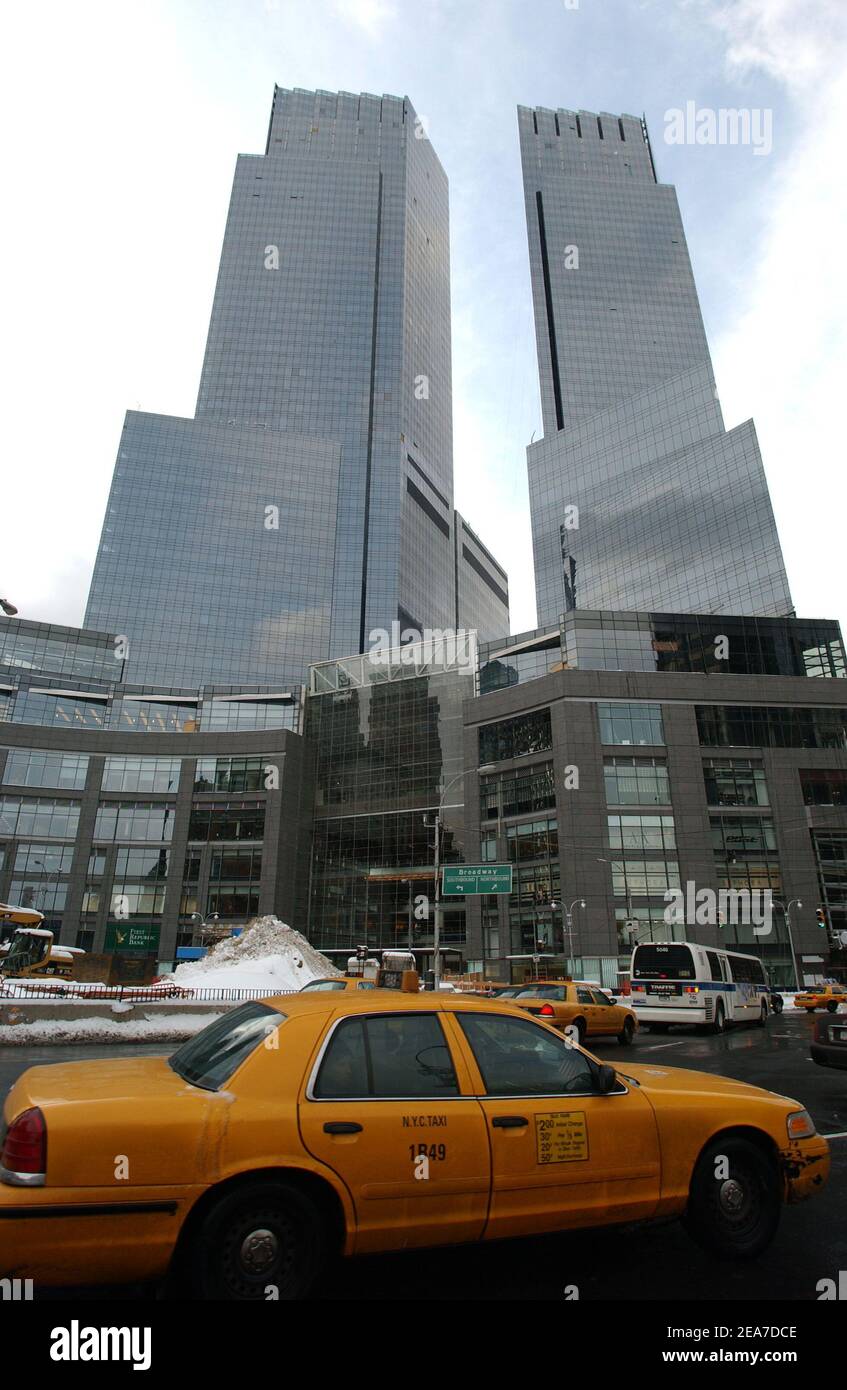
(476, 878)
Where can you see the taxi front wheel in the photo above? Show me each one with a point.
(734, 1200)
(627, 1033)
(263, 1241)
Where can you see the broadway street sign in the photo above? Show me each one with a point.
(476, 878)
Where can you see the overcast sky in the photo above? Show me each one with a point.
(121, 126)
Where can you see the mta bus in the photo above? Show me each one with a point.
(681, 982)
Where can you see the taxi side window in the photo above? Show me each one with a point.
(584, 996)
(386, 1057)
(598, 997)
(517, 1058)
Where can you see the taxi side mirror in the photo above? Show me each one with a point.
(607, 1079)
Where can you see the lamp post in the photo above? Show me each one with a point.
(436, 931)
(8, 608)
(786, 912)
(204, 923)
(568, 915)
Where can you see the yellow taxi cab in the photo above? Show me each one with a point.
(296, 1128)
(580, 1010)
(821, 997)
(337, 982)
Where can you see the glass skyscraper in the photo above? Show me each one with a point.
(309, 503)
(640, 498)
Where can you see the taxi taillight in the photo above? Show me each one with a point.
(25, 1146)
(547, 1010)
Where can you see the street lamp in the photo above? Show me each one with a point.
(205, 922)
(568, 913)
(8, 608)
(436, 933)
(786, 912)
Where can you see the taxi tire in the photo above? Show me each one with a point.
(213, 1267)
(706, 1220)
(832, 1007)
(627, 1033)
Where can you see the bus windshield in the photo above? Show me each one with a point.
(653, 961)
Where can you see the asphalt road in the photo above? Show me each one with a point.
(649, 1263)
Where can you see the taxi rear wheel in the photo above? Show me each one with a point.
(735, 1199)
(260, 1242)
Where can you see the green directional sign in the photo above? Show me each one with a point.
(476, 878)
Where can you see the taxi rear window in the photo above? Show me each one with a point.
(542, 992)
(211, 1057)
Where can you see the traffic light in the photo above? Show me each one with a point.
(821, 916)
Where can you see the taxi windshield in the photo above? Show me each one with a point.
(210, 1058)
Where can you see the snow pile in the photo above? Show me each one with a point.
(173, 1029)
(267, 955)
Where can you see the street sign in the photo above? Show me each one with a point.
(476, 878)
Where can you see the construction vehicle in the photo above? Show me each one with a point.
(28, 950)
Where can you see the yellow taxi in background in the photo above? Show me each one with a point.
(580, 1010)
(296, 1128)
(337, 982)
(821, 997)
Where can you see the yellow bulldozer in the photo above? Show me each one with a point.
(28, 950)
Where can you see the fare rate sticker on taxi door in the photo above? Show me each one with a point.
(561, 1136)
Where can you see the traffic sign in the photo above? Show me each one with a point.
(476, 878)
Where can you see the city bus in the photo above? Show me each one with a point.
(682, 982)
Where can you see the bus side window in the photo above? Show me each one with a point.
(714, 965)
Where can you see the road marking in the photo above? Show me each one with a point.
(655, 1047)
(842, 1134)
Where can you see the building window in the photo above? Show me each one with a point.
(642, 832)
(742, 834)
(141, 774)
(20, 816)
(824, 786)
(636, 782)
(45, 895)
(43, 859)
(761, 726)
(735, 782)
(130, 899)
(68, 711)
(231, 821)
(134, 821)
(36, 767)
(155, 717)
(148, 864)
(643, 878)
(535, 839)
(515, 738)
(233, 774)
(518, 794)
(638, 724)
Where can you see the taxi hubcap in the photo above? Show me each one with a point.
(731, 1196)
(259, 1250)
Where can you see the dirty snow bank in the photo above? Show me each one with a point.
(267, 955)
(173, 1029)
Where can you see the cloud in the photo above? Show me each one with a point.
(373, 16)
(782, 358)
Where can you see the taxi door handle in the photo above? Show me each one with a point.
(342, 1127)
(509, 1121)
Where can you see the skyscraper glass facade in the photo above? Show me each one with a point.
(310, 500)
(640, 497)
